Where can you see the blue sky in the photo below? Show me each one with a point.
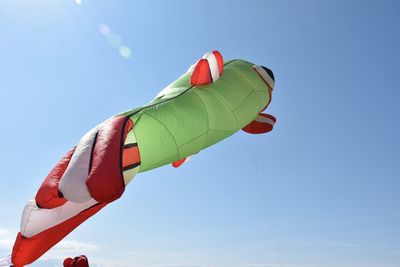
(322, 189)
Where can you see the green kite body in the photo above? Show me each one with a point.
(184, 119)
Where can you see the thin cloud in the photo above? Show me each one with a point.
(71, 245)
(279, 265)
(6, 244)
(4, 232)
(358, 245)
(68, 248)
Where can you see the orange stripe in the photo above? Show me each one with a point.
(130, 156)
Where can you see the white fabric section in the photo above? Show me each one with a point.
(35, 220)
(205, 56)
(191, 68)
(130, 138)
(129, 174)
(265, 120)
(213, 63)
(6, 261)
(265, 76)
(73, 182)
(188, 158)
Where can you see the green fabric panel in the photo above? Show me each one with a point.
(186, 119)
(263, 98)
(174, 89)
(232, 88)
(220, 116)
(216, 136)
(194, 146)
(130, 138)
(153, 139)
(248, 110)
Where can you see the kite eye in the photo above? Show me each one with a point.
(266, 74)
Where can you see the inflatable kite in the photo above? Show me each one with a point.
(211, 101)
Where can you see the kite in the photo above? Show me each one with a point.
(210, 102)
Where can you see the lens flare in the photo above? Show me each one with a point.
(115, 41)
(104, 29)
(125, 52)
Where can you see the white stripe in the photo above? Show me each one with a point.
(265, 76)
(191, 68)
(213, 63)
(129, 174)
(35, 220)
(265, 120)
(205, 56)
(73, 182)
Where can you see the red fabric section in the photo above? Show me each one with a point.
(130, 156)
(259, 127)
(80, 261)
(105, 181)
(67, 262)
(47, 196)
(201, 74)
(28, 250)
(128, 127)
(220, 61)
(178, 163)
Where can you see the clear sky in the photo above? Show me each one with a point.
(321, 190)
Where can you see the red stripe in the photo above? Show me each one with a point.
(130, 156)
(28, 250)
(220, 61)
(178, 163)
(105, 181)
(258, 127)
(47, 195)
(201, 74)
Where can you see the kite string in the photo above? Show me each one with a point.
(260, 170)
(235, 28)
(265, 192)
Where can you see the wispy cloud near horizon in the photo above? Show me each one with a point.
(4, 232)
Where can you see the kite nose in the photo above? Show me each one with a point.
(270, 73)
(266, 74)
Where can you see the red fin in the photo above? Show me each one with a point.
(220, 61)
(48, 196)
(27, 250)
(262, 124)
(201, 74)
(208, 69)
(178, 163)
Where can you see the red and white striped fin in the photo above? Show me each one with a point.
(208, 69)
(32, 243)
(266, 74)
(178, 163)
(264, 123)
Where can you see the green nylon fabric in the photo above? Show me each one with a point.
(185, 119)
